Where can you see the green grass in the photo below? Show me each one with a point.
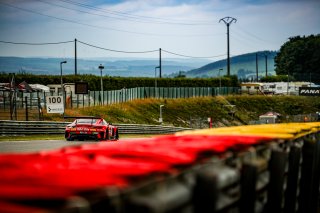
(32, 137)
(179, 112)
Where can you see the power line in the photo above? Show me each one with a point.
(111, 50)
(100, 27)
(252, 35)
(95, 14)
(68, 20)
(187, 56)
(24, 43)
(119, 51)
(130, 16)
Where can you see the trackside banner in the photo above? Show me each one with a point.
(309, 91)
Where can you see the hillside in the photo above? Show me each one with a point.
(244, 66)
(193, 112)
(113, 67)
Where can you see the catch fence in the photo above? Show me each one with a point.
(15, 105)
(94, 98)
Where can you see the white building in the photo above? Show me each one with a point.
(252, 88)
(56, 88)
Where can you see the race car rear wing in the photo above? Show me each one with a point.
(93, 117)
(83, 117)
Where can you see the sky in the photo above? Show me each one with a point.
(139, 28)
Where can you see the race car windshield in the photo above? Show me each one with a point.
(86, 121)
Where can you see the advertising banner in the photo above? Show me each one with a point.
(309, 91)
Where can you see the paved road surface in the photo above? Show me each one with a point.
(40, 145)
(33, 146)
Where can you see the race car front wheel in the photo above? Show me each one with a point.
(69, 139)
(67, 136)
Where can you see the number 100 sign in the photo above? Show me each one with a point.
(54, 104)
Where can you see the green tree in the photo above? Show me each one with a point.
(277, 78)
(300, 57)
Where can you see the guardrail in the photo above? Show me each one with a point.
(48, 127)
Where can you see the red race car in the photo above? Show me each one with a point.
(90, 128)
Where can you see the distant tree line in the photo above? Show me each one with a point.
(300, 58)
(115, 83)
(277, 78)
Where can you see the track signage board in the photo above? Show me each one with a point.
(55, 104)
(309, 91)
(81, 87)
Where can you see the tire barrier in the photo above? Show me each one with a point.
(261, 168)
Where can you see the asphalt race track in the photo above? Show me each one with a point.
(42, 145)
(34, 146)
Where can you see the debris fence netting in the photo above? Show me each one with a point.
(258, 168)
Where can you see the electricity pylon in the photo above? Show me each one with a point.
(228, 21)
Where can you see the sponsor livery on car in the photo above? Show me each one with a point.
(91, 128)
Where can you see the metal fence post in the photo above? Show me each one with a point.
(26, 101)
(94, 98)
(71, 100)
(4, 103)
(64, 99)
(89, 98)
(102, 97)
(44, 99)
(107, 96)
(39, 108)
(82, 100)
(31, 96)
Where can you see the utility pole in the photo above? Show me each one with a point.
(75, 56)
(228, 21)
(257, 68)
(160, 66)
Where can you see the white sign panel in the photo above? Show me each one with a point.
(55, 104)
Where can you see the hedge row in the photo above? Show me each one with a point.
(114, 83)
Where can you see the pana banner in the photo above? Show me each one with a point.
(309, 91)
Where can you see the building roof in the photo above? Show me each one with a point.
(270, 114)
